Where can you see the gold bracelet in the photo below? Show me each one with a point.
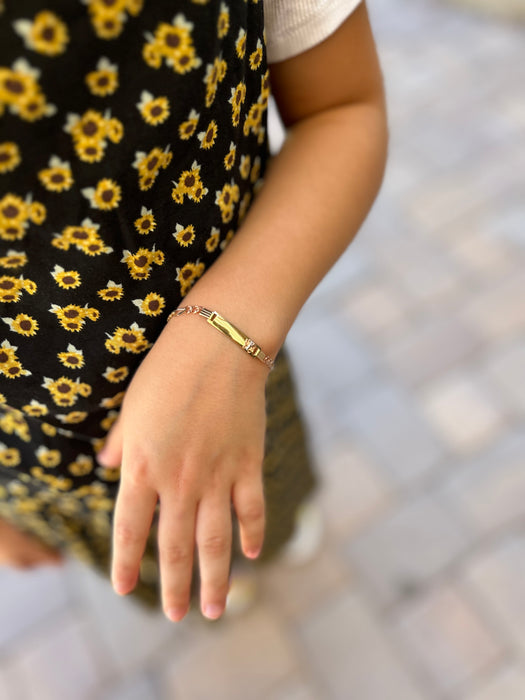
(224, 326)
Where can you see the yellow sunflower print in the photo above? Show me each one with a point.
(13, 259)
(11, 288)
(244, 167)
(72, 417)
(146, 222)
(73, 317)
(131, 339)
(240, 44)
(66, 279)
(48, 458)
(256, 56)
(227, 239)
(22, 324)
(149, 164)
(21, 92)
(184, 235)
(65, 391)
(226, 200)
(35, 408)
(154, 110)
(238, 96)
(213, 241)
(9, 456)
(187, 128)
(106, 195)
(173, 44)
(151, 305)
(46, 34)
(81, 466)
(215, 73)
(223, 23)
(229, 158)
(140, 263)
(73, 357)
(187, 275)
(9, 156)
(116, 375)
(58, 176)
(90, 133)
(104, 80)
(190, 185)
(113, 292)
(207, 138)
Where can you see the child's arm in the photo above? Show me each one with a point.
(192, 425)
(318, 190)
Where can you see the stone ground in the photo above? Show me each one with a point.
(410, 358)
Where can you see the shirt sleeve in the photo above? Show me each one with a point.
(293, 26)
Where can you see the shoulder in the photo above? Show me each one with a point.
(293, 26)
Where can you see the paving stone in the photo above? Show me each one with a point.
(353, 490)
(33, 595)
(496, 312)
(506, 221)
(505, 368)
(429, 347)
(447, 637)
(377, 307)
(385, 420)
(295, 590)
(9, 689)
(497, 578)
(453, 193)
(489, 490)
(59, 662)
(138, 686)
(238, 659)
(129, 633)
(507, 684)
(480, 251)
(326, 356)
(348, 650)
(461, 409)
(426, 272)
(403, 550)
(434, 279)
(297, 688)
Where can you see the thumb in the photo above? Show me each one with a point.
(111, 454)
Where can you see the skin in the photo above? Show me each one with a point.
(19, 550)
(192, 425)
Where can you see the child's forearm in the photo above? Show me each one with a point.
(316, 194)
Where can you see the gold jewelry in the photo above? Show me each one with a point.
(224, 326)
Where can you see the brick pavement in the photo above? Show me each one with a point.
(412, 384)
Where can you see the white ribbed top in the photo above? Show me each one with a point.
(292, 26)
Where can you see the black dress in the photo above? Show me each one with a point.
(132, 142)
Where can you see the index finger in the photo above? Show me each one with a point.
(133, 516)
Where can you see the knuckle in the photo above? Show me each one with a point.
(215, 545)
(253, 511)
(175, 554)
(251, 463)
(138, 472)
(126, 535)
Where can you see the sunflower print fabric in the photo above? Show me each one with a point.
(132, 143)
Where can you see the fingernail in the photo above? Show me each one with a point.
(253, 553)
(176, 614)
(213, 611)
(101, 456)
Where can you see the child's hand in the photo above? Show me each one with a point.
(191, 433)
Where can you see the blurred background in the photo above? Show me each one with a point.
(410, 364)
